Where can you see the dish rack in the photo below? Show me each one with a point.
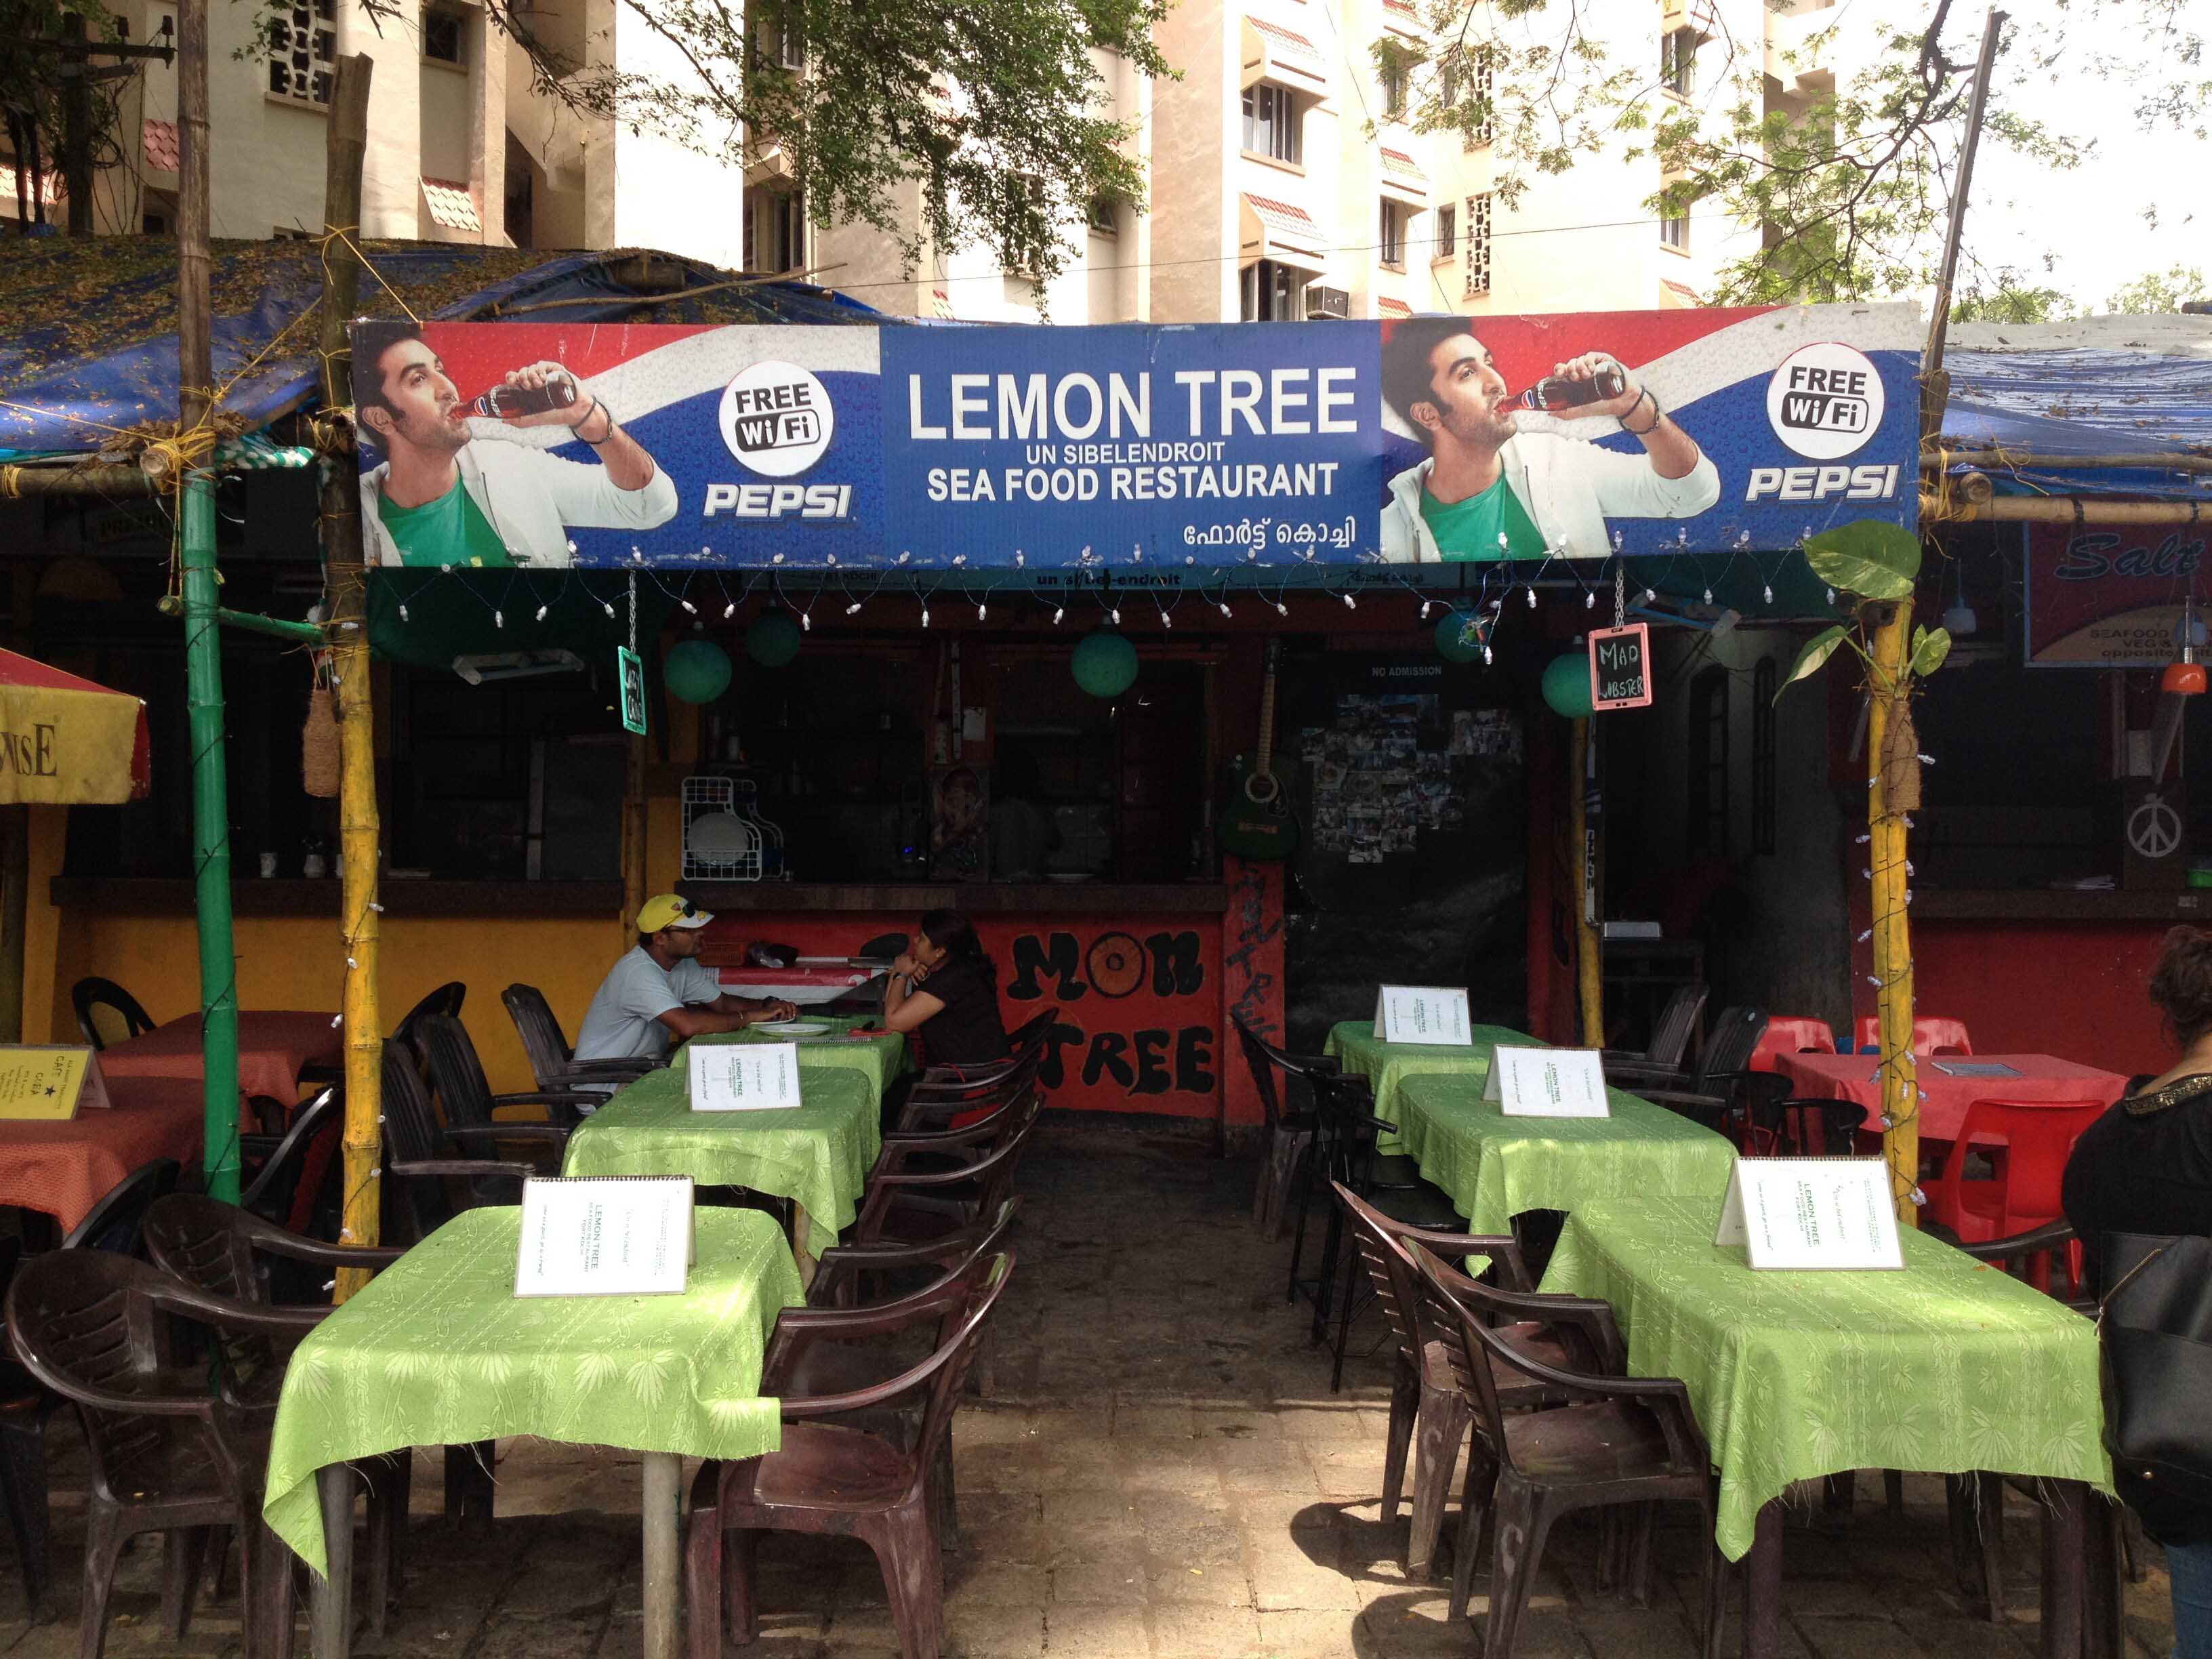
(725, 838)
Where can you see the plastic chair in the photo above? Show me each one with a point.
(1613, 1441)
(1289, 1137)
(458, 1075)
(289, 1173)
(553, 1060)
(1790, 1034)
(1932, 1034)
(24, 1408)
(834, 1474)
(112, 1224)
(1670, 1033)
(2038, 1136)
(924, 1187)
(169, 1454)
(106, 1014)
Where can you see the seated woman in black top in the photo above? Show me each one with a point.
(945, 991)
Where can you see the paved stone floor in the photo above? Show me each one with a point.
(1161, 1470)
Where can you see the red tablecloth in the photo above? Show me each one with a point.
(272, 1046)
(2042, 1076)
(63, 1168)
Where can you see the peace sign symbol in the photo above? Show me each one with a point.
(2153, 829)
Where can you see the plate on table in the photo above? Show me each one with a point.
(794, 1027)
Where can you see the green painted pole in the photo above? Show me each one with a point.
(202, 631)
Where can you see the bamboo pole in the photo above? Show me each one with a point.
(1589, 967)
(2060, 509)
(345, 582)
(203, 632)
(1892, 942)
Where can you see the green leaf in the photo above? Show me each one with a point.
(1930, 648)
(1818, 649)
(1880, 561)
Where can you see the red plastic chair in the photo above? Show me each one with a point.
(1933, 1034)
(1790, 1034)
(2037, 1135)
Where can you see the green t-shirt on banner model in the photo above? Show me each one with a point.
(1467, 531)
(451, 529)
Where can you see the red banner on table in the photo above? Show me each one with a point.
(2103, 596)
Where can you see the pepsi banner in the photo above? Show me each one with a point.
(1260, 447)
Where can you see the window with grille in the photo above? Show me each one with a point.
(1708, 780)
(1477, 232)
(1674, 233)
(441, 36)
(1270, 122)
(1678, 61)
(1393, 91)
(1447, 232)
(1272, 293)
(1105, 217)
(1391, 240)
(303, 50)
(1483, 130)
(1764, 679)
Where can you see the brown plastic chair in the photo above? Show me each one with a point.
(1423, 1391)
(168, 1455)
(458, 1075)
(553, 1061)
(923, 1186)
(1611, 1441)
(230, 1253)
(845, 1272)
(941, 1094)
(831, 1476)
(1289, 1136)
(1670, 1035)
(105, 1013)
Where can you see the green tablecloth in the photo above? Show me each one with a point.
(439, 1351)
(818, 1155)
(1494, 1166)
(880, 1055)
(1386, 1066)
(1948, 1366)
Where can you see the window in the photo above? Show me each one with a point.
(1765, 679)
(1105, 217)
(775, 44)
(442, 38)
(1393, 91)
(1708, 792)
(303, 50)
(775, 230)
(1674, 232)
(1270, 122)
(1677, 60)
(1467, 93)
(1272, 293)
(1478, 244)
(1447, 232)
(1390, 243)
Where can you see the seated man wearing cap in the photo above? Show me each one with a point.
(658, 992)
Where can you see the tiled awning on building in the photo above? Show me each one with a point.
(1402, 17)
(1272, 52)
(1270, 229)
(941, 305)
(1402, 178)
(157, 143)
(452, 205)
(1389, 309)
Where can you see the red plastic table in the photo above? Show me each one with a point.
(2042, 1076)
(64, 1169)
(272, 1048)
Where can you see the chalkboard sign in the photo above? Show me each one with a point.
(1620, 667)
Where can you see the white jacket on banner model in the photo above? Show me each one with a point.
(532, 499)
(1569, 488)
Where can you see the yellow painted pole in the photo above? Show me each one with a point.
(1893, 788)
(1589, 965)
(346, 594)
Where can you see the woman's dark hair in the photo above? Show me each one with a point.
(955, 934)
(2181, 984)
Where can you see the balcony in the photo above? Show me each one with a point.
(1272, 52)
(1281, 232)
(1800, 49)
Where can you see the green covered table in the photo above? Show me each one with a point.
(1494, 1167)
(818, 1155)
(1948, 1367)
(879, 1055)
(438, 1351)
(1386, 1066)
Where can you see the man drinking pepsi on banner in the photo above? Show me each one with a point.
(444, 495)
(1487, 491)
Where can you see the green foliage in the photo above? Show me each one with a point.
(1814, 657)
(31, 75)
(2159, 290)
(1930, 646)
(1866, 556)
(2011, 299)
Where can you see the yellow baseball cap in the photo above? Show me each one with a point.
(670, 910)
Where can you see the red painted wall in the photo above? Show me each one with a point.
(2070, 989)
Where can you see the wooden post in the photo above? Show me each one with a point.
(1935, 379)
(345, 595)
(633, 839)
(1589, 965)
(1893, 937)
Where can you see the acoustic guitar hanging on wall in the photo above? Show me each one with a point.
(1255, 818)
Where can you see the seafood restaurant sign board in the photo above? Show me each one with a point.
(1202, 449)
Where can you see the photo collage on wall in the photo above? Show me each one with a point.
(1394, 764)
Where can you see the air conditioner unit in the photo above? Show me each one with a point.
(1326, 303)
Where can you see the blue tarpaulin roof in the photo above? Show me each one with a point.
(92, 349)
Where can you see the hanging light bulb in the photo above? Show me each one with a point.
(607, 606)
(925, 616)
(806, 622)
(403, 613)
(1649, 594)
(1350, 604)
(1768, 590)
(1425, 611)
(690, 607)
(729, 609)
(854, 608)
(1166, 620)
(1486, 657)
(959, 558)
(1225, 607)
(982, 611)
(903, 557)
(1115, 613)
(499, 619)
(541, 613)
(1058, 611)
(1590, 598)
(1282, 610)
(1018, 559)
(1532, 596)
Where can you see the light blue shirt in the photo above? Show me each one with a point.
(623, 1022)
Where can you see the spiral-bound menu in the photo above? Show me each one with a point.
(1812, 1213)
(605, 1235)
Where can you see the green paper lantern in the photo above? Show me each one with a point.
(696, 670)
(772, 641)
(1458, 638)
(1567, 685)
(1105, 663)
